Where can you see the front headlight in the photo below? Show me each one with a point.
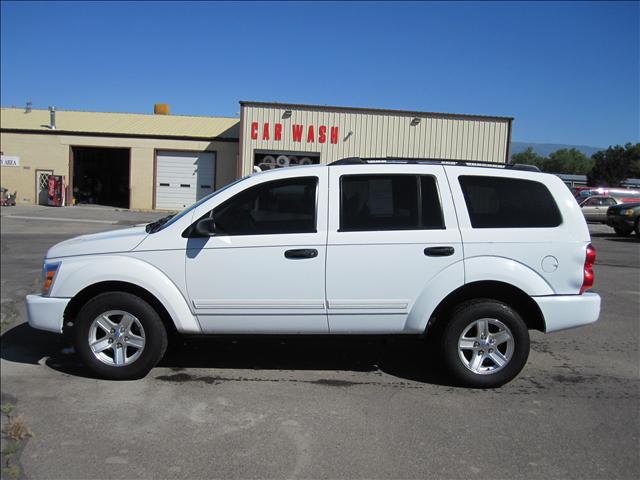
(48, 276)
(628, 212)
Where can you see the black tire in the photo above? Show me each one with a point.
(154, 332)
(465, 315)
(622, 231)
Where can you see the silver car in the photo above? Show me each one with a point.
(595, 207)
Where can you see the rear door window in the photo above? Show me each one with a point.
(499, 202)
(389, 202)
(430, 202)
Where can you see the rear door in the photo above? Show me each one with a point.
(392, 228)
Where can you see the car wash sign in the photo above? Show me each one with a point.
(299, 133)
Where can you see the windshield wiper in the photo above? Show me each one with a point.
(155, 226)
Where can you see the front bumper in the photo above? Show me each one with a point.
(46, 313)
(561, 312)
(626, 223)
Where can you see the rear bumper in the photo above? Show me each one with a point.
(561, 312)
(46, 313)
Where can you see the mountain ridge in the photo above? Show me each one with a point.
(545, 149)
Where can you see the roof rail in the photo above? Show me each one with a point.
(434, 161)
(349, 161)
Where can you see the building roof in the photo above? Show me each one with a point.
(373, 110)
(120, 124)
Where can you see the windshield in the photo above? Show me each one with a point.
(171, 219)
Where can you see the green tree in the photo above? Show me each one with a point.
(615, 164)
(529, 157)
(569, 161)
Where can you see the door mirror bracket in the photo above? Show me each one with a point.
(205, 227)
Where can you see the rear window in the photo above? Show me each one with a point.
(497, 202)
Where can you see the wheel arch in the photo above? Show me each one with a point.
(91, 291)
(77, 276)
(494, 290)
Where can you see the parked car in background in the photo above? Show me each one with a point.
(576, 191)
(594, 208)
(623, 218)
(619, 193)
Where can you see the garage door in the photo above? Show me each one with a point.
(182, 178)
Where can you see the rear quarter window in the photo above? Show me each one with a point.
(498, 202)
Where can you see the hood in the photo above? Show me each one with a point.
(114, 241)
(623, 206)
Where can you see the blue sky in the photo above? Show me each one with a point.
(568, 72)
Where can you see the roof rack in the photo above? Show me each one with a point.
(434, 161)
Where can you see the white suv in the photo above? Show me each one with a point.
(472, 256)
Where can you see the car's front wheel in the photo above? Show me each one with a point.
(485, 344)
(119, 336)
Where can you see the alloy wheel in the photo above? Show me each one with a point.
(116, 338)
(486, 346)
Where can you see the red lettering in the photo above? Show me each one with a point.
(334, 134)
(265, 131)
(322, 134)
(277, 135)
(254, 131)
(311, 136)
(297, 133)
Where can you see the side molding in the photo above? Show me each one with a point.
(78, 273)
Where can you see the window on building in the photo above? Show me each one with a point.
(498, 202)
(389, 202)
(280, 206)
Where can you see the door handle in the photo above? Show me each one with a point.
(301, 253)
(439, 251)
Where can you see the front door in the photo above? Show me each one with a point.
(264, 269)
(42, 186)
(595, 209)
(389, 235)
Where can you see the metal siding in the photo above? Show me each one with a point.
(377, 134)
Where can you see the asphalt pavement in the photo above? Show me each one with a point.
(276, 408)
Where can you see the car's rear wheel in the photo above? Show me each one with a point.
(623, 231)
(485, 344)
(119, 336)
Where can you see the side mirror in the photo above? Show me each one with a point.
(205, 227)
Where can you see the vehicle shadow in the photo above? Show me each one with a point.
(404, 358)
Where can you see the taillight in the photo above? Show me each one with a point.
(588, 275)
